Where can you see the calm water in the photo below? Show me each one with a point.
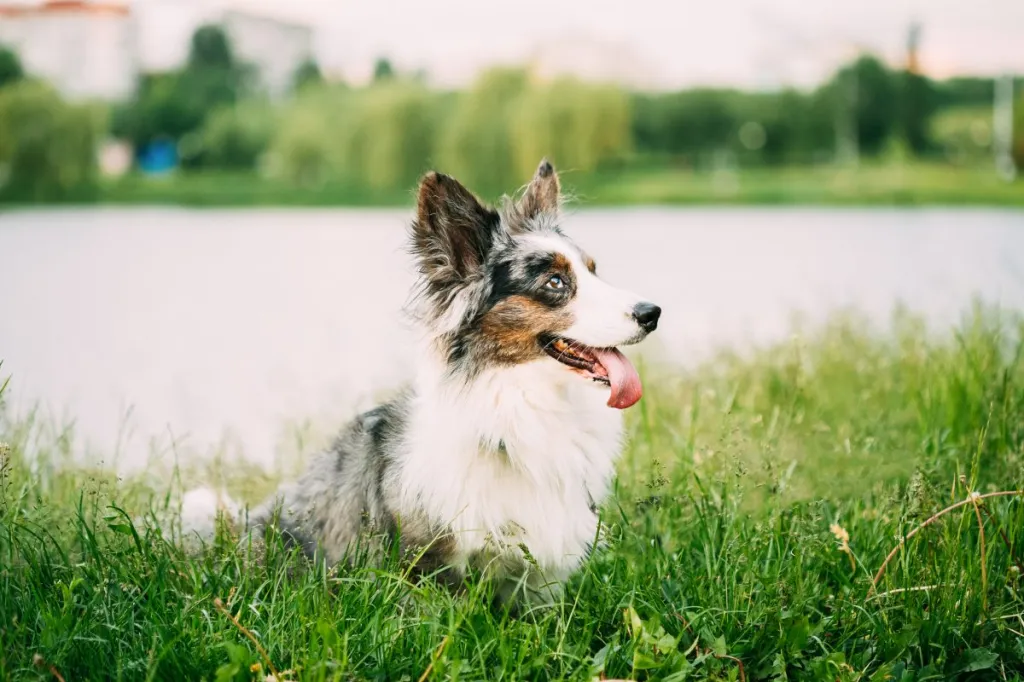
(211, 329)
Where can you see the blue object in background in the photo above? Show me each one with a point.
(160, 156)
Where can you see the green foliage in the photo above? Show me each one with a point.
(212, 77)
(304, 150)
(693, 122)
(505, 124)
(970, 91)
(1018, 133)
(307, 75)
(758, 496)
(172, 105)
(918, 102)
(163, 108)
(476, 144)
(579, 126)
(385, 136)
(383, 70)
(375, 141)
(865, 91)
(393, 135)
(964, 134)
(10, 67)
(965, 91)
(696, 126)
(491, 135)
(47, 146)
(378, 138)
(235, 137)
(210, 49)
(786, 119)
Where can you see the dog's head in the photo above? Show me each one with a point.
(506, 287)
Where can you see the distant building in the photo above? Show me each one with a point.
(276, 48)
(85, 49)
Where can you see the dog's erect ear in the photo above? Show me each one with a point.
(543, 193)
(452, 233)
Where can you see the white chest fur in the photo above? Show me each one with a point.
(518, 457)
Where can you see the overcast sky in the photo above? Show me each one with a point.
(661, 42)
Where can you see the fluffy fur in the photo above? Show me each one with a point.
(498, 454)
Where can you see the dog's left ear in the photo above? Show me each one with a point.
(543, 193)
(452, 233)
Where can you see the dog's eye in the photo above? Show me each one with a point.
(555, 282)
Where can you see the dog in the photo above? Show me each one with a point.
(499, 454)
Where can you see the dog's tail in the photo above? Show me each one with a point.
(201, 510)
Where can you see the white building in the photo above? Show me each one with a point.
(85, 49)
(96, 48)
(276, 48)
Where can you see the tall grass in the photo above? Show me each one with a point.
(757, 500)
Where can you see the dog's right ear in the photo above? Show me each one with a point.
(543, 193)
(452, 233)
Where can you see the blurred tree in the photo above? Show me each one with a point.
(862, 106)
(210, 49)
(917, 104)
(965, 90)
(1018, 134)
(47, 146)
(785, 117)
(383, 70)
(161, 108)
(308, 145)
(476, 141)
(307, 75)
(235, 137)
(689, 124)
(819, 136)
(176, 104)
(379, 138)
(212, 77)
(578, 125)
(10, 67)
(400, 128)
(866, 91)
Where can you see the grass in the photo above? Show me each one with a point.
(757, 500)
(872, 184)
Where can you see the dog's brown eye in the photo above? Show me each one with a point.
(555, 282)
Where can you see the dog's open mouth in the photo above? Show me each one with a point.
(604, 365)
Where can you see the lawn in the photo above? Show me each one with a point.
(757, 502)
(871, 184)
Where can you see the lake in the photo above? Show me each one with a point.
(193, 331)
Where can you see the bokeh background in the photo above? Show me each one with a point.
(335, 103)
(202, 204)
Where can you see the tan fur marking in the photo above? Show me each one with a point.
(561, 264)
(513, 325)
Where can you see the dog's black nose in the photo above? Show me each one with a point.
(646, 315)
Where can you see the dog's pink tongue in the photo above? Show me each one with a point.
(626, 388)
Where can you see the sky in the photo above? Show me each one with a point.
(654, 43)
